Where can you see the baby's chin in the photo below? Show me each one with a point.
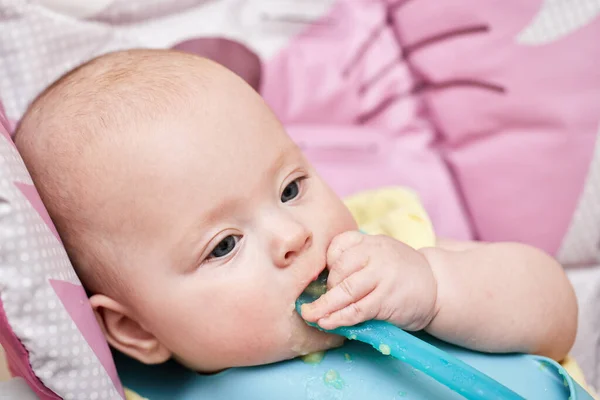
(305, 340)
(294, 339)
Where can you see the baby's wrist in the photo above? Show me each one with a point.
(428, 254)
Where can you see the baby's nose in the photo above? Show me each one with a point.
(293, 240)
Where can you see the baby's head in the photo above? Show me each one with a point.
(191, 217)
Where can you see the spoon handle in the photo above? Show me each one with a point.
(439, 365)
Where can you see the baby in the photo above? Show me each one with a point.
(195, 222)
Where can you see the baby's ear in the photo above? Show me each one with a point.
(125, 334)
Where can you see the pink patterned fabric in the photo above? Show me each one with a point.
(75, 301)
(47, 326)
(517, 116)
(18, 358)
(5, 125)
(34, 199)
(512, 121)
(16, 353)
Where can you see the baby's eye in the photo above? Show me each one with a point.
(224, 247)
(291, 191)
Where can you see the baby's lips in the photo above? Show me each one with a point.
(321, 270)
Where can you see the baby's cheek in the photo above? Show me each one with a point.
(210, 345)
(277, 332)
(338, 212)
(249, 334)
(341, 220)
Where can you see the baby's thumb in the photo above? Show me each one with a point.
(341, 243)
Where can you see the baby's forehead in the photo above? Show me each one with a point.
(146, 111)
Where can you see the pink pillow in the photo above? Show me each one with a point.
(47, 327)
(514, 89)
(500, 97)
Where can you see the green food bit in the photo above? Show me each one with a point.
(352, 337)
(402, 394)
(313, 358)
(347, 357)
(316, 289)
(385, 349)
(333, 378)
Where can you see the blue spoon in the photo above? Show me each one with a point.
(391, 340)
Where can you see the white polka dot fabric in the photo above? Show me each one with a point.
(126, 12)
(77, 9)
(42, 39)
(581, 245)
(558, 18)
(38, 45)
(42, 297)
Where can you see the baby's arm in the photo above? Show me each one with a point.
(502, 297)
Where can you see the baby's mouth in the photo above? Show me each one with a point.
(312, 292)
(312, 289)
(318, 286)
(311, 339)
(323, 273)
(319, 276)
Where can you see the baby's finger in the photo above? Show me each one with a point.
(341, 243)
(350, 261)
(350, 290)
(363, 310)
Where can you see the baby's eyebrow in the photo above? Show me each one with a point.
(290, 153)
(280, 160)
(188, 249)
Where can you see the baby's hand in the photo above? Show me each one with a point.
(374, 277)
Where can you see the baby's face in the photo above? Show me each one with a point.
(224, 228)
